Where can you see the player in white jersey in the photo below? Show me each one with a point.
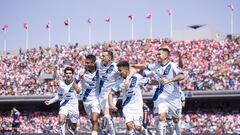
(108, 72)
(167, 96)
(173, 122)
(68, 91)
(90, 88)
(132, 98)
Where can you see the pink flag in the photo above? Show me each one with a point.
(231, 6)
(130, 17)
(25, 25)
(48, 25)
(66, 22)
(149, 15)
(89, 20)
(170, 12)
(108, 19)
(4, 27)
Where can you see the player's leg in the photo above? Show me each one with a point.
(170, 124)
(108, 118)
(177, 126)
(137, 120)
(73, 119)
(62, 118)
(94, 120)
(95, 109)
(130, 128)
(162, 109)
(176, 115)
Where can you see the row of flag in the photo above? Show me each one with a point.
(108, 19)
(67, 21)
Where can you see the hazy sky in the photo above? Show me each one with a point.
(14, 13)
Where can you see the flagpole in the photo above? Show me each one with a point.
(232, 22)
(89, 35)
(5, 42)
(110, 31)
(49, 37)
(26, 38)
(69, 36)
(151, 27)
(171, 26)
(132, 28)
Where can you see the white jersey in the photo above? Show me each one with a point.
(67, 94)
(166, 92)
(90, 85)
(107, 76)
(132, 97)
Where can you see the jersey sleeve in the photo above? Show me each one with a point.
(176, 69)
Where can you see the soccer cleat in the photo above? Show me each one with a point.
(145, 132)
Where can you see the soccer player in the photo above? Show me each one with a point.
(68, 91)
(90, 89)
(132, 98)
(108, 73)
(167, 96)
(16, 120)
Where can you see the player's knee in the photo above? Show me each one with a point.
(130, 126)
(175, 120)
(162, 117)
(138, 128)
(73, 126)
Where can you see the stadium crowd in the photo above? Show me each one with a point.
(208, 64)
(199, 121)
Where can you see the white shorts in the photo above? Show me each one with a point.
(91, 106)
(135, 116)
(71, 111)
(103, 101)
(165, 107)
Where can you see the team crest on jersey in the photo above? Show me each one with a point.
(110, 69)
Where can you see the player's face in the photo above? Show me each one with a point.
(105, 58)
(123, 71)
(89, 64)
(161, 55)
(68, 75)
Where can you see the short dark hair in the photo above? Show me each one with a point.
(123, 64)
(110, 53)
(91, 57)
(68, 68)
(165, 50)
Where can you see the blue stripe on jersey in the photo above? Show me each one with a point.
(133, 82)
(148, 67)
(127, 101)
(64, 103)
(158, 91)
(167, 69)
(86, 94)
(101, 85)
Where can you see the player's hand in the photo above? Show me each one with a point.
(165, 81)
(113, 107)
(81, 73)
(46, 102)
